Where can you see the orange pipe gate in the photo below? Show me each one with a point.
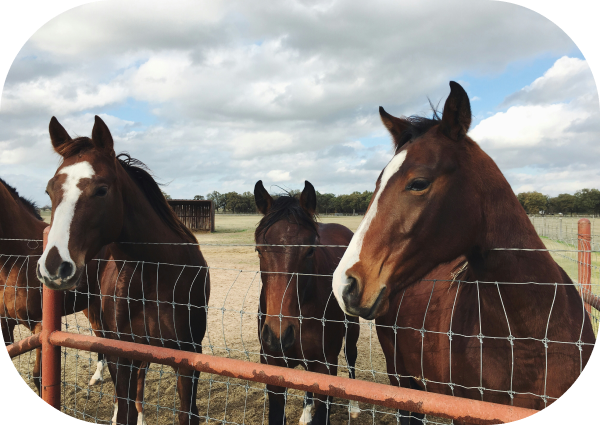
(461, 409)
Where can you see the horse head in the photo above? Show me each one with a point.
(424, 209)
(87, 207)
(287, 221)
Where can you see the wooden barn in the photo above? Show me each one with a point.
(196, 215)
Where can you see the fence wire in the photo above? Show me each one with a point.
(232, 331)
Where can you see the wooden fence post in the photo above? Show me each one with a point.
(51, 313)
(584, 257)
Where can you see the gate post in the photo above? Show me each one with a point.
(584, 257)
(51, 313)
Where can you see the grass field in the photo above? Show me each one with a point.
(233, 332)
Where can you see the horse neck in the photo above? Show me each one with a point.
(506, 225)
(142, 225)
(16, 222)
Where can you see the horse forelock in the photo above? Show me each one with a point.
(285, 208)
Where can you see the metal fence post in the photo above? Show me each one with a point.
(51, 313)
(560, 237)
(584, 257)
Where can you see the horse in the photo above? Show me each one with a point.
(502, 337)
(150, 270)
(296, 294)
(20, 291)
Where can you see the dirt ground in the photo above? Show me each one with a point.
(232, 331)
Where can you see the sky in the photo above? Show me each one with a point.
(215, 96)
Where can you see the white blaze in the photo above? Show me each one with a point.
(352, 254)
(64, 212)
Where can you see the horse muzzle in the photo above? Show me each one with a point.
(354, 301)
(66, 276)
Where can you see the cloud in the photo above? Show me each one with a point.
(229, 91)
(568, 78)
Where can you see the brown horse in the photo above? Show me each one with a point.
(100, 199)
(296, 295)
(501, 338)
(20, 290)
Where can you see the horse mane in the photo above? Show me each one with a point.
(285, 207)
(140, 174)
(27, 203)
(418, 125)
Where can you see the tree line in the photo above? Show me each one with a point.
(584, 201)
(327, 203)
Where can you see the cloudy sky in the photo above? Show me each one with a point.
(215, 96)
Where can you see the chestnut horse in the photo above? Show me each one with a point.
(100, 199)
(20, 290)
(297, 283)
(502, 338)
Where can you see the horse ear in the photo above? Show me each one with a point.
(456, 118)
(101, 137)
(308, 198)
(58, 134)
(395, 126)
(262, 198)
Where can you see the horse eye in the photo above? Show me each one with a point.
(418, 185)
(259, 253)
(310, 252)
(101, 191)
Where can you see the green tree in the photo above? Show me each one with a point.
(218, 200)
(533, 202)
(166, 195)
(588, 201)
(199, 198)
(563, 203)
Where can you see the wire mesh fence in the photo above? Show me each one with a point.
(233, 330)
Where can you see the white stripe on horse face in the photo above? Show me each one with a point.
(64, 212)
(352, 254)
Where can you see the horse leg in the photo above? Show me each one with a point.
(8, 327)
(139, 400)
(124, 376)
(411, 418)
(322, 403)
(187, 388)
(307, 411)
(276, 404)
(351, 353)
(98, 376)
(37, 367)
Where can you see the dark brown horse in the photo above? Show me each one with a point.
(151, 269)
(20, 290)
(297, 284)
(501, 338)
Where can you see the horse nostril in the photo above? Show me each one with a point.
(65, 270)
(352, 286)
(266, 335)
(288, 338)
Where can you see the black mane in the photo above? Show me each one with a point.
(418, 126)
(140, 174)
(285, 207)
(27, 203)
